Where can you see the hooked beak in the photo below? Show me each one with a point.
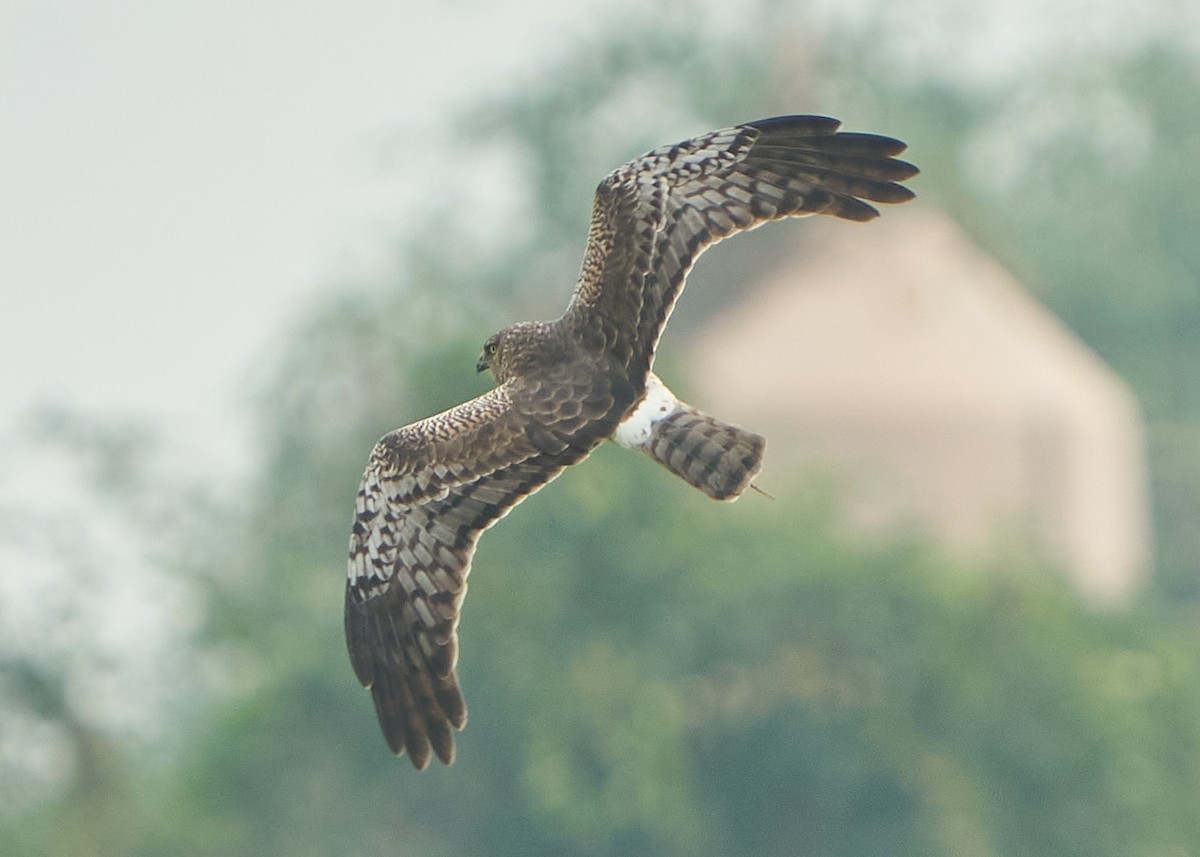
(482, 365)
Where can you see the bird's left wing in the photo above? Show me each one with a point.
(655, 215)
(429, 492)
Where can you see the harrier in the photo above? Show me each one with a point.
(562, 387)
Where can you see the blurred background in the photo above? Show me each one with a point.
(242, 241)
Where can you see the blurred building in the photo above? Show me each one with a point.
(900, 364)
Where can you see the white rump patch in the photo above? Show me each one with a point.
(658, 404)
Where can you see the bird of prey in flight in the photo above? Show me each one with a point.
(564, 386)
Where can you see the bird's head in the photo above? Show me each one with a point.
(513, 350)
(487, 358)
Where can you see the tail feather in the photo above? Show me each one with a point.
(718, 458)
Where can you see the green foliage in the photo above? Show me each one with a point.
(650, 672)
(653, 673)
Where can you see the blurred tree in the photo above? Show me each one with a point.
(95, 524)
(1073, 167)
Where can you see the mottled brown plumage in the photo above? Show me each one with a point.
(431, 488)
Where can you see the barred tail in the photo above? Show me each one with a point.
(718, 458)
(715, 457)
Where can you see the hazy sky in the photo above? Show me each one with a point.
(179, 178)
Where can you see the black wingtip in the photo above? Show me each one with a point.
(874, 144)
(798, 123)
(822, 134)
(903, 170)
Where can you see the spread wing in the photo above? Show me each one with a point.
(429, 491)
(654, 216)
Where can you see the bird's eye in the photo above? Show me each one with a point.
(490, 349)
